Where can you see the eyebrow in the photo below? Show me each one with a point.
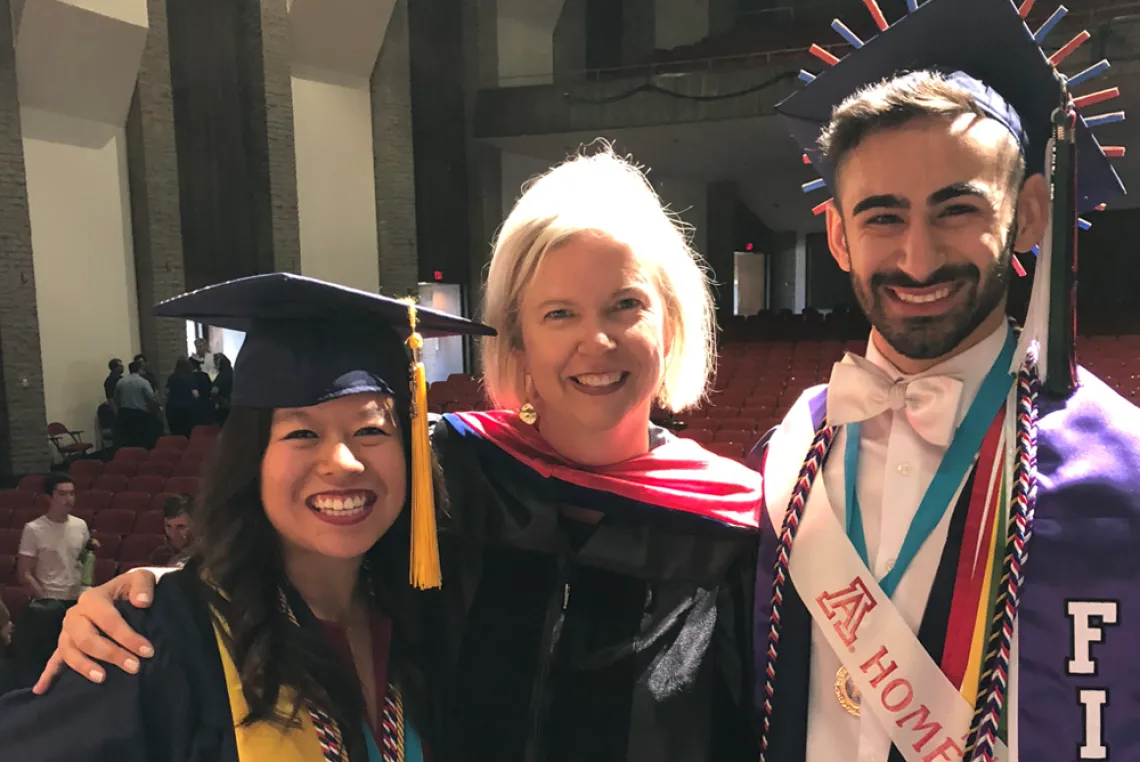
(940, 196)
(955, 191)
(880, 201)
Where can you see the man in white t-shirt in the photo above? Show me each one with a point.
(50, 548)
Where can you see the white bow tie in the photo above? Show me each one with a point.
(860, 390)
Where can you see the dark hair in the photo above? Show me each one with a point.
(182, 367)
(237, 548)
(222, 362)
(140, 356)
(53, 479)
(134, 367)
(895, 102)
(115, 363)
(175, 506)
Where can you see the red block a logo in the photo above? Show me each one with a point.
(846, 608)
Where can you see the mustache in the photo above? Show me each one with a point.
(944, 274)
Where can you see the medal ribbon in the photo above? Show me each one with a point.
(952, 469)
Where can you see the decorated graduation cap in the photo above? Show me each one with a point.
(986, 48)
(308, 342)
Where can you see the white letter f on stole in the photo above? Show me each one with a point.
(1085, 633)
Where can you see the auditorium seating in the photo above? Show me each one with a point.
(121, 501)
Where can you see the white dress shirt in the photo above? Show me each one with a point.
(896, 467)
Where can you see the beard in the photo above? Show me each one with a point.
(930, 337)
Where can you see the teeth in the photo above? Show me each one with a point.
(599, 379)
(340, 506)
(934, 296)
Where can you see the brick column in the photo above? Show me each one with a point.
(152, 165)
(394, 160)
(269, 65)
(23, 435)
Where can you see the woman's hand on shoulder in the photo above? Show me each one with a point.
(94, 629)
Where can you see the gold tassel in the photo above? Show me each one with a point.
(425, 572)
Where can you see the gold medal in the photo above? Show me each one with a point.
(848, 695)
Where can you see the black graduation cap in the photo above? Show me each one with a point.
(308, 341)
(984, 39)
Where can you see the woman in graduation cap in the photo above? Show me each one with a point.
(288, 636)
(597, 570)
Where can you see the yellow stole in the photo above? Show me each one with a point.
(263, 741)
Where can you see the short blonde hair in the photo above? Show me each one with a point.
(603, 194)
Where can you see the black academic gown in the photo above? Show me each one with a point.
(572, 642)
(174, 710)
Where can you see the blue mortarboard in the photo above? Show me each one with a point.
(308, 341)
(984, 39)
(985, 47)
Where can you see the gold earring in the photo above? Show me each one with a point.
(527, 413)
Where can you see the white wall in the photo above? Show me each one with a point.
(84, 258)
(680, 22)
(526, 41)
(336, 192)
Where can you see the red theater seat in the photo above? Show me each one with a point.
(15, 498)
(93, 500)
(88, 517)
(126, 468)
(138, 548)
(7, 569)
(148, 484)
(10, 540)
(135, 502)
(150, 522)
(22, 516)
(15, 599)
(183, 485)
(156, 469)
(131, 455)
(32, 483)
(109, 543)
(171, 442)
(111, 482)
(88, 467)
(104, 570)
(116, 521)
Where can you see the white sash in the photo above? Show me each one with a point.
(916, 705)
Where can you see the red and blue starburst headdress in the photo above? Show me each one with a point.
(987, 48)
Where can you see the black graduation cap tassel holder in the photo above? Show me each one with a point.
(1060, 354)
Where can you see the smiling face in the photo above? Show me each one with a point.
(334, 476)
(593, 340)
(928, 224)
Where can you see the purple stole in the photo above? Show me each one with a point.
(1078, 657)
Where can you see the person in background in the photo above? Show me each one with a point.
(49, 569)
(223, 388)
(115, 367)
(204, 357)
(204, 407)
(182, 398)
(136, 410)
(176, 527)
(145, 372)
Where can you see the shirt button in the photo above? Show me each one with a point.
(904, 469)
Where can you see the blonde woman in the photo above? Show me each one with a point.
(597, 570)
